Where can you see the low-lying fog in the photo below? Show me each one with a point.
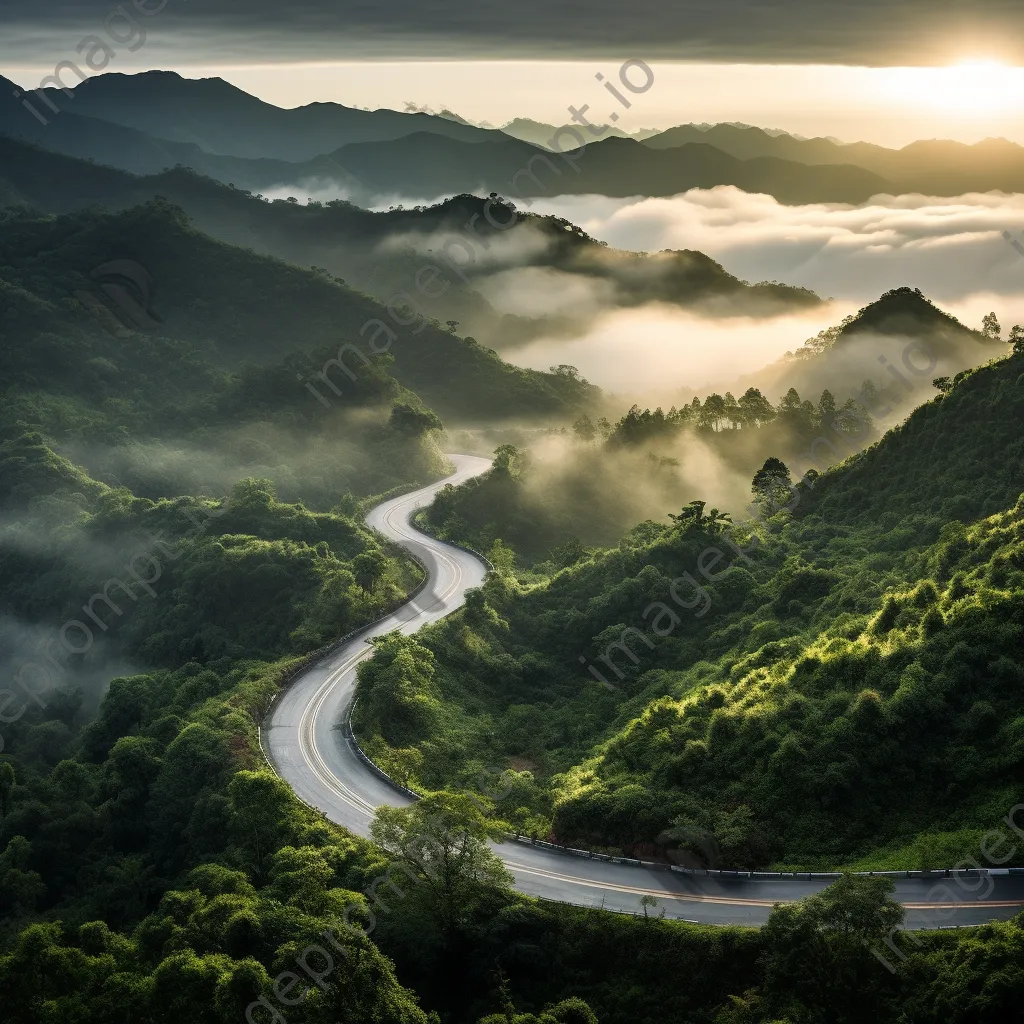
(658, 349)
(951, 249)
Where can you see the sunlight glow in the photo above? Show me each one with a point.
(968, 87)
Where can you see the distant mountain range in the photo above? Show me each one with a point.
(939, 167)
(419, 164)
(540, 134)
(149, 122)
(381, 253)
(221, 118)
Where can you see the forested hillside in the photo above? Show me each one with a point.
(151, 868)
(838, 680)
(238, 308)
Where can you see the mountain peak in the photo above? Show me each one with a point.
(902, 310)
(148, 82)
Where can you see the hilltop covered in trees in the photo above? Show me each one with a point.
(856, 649)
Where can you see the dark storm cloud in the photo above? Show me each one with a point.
(827, 31)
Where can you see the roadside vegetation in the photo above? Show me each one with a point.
(834, 683)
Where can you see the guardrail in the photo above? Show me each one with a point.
(313, 657)
(424, 528)
(318, 655)
(350, 736)
(654, 865)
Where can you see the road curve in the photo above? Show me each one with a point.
(303, 741)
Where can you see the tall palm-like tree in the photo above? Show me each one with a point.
(691, 513)
(714, 521)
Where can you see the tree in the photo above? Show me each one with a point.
(569, 1011)
(396, 690)
(691, 840)
(441, 845)
(401, 764)
(129, 884)
(584, 429)
(716, 521)
(797, 414)
(826, 409)
(647, 901)
(818, 950)
(301, 876)
(755, 409)
(712, 412)
(368, 569)
(20, 888)
(1016, 339)
(691, 513)
(790, 402)
(412, 422)
(566, 371)
(260, 808)
(6, 786)
(739, 838)
(572, 1011)
(990, 327)
(731, 411)
(502, 557)
(869, 395)
(772, 486)
(509, 459)
(822, 341)
(712, 522)
(569, 553)
(944, 384)
(851, 418)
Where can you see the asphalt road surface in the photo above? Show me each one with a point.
(308, 749)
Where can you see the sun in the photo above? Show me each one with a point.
(969, 87)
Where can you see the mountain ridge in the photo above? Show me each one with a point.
(381, 252)
(225, 120)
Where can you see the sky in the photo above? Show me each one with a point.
(886, 72)
(868, 32)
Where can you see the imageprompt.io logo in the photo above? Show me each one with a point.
(122, 299)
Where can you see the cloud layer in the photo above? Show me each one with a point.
(871, 32)
(952, 249)
(659, 351)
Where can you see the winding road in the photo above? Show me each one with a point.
(306, 746)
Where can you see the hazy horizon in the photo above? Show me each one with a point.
(972, 99)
